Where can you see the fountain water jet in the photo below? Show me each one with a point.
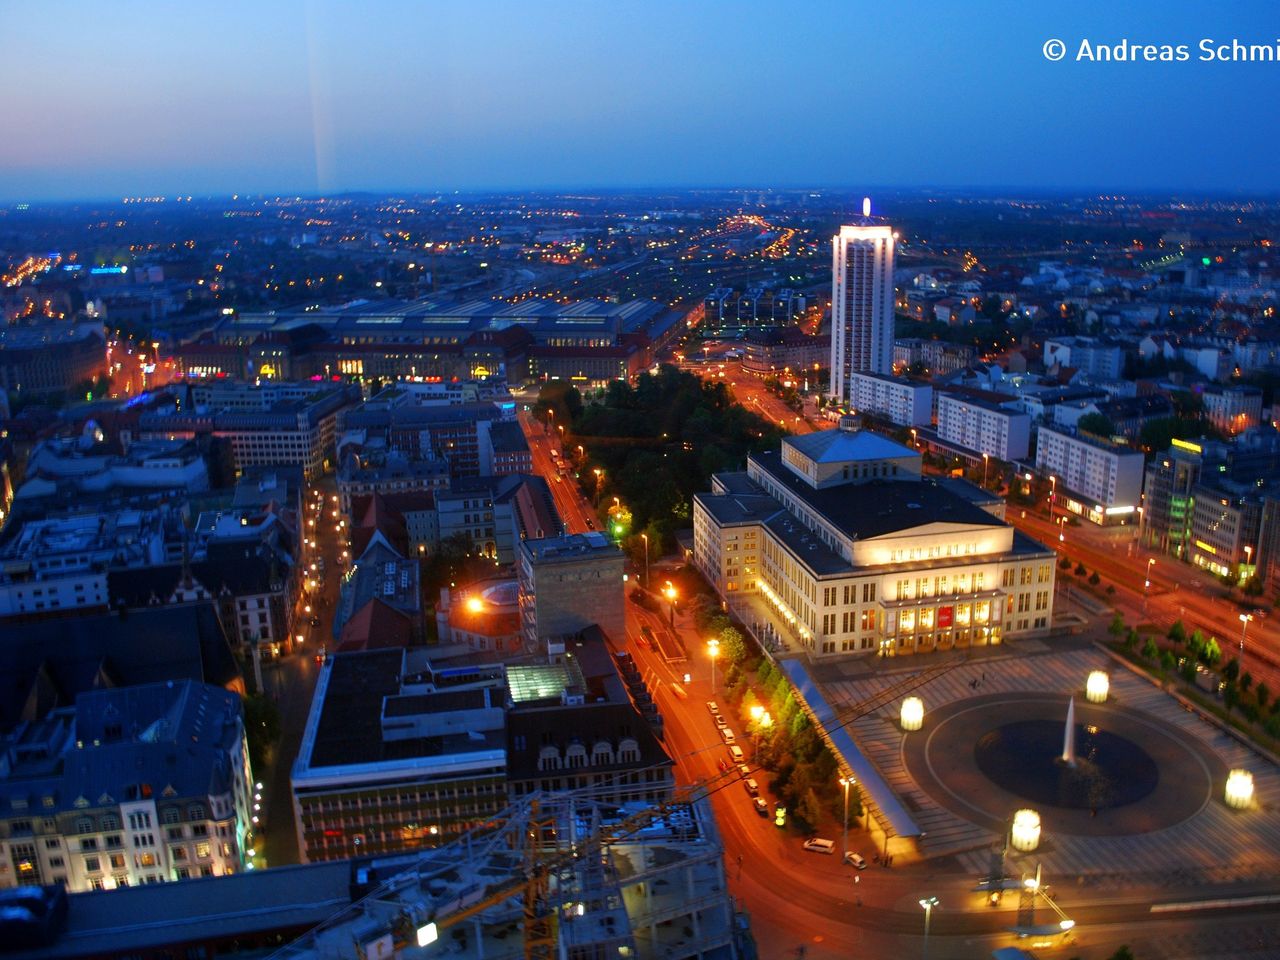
(1069, 735)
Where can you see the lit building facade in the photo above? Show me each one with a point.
(904, 402)
(1095, 480)
(999, 432)
(861, 305)
(838, 544)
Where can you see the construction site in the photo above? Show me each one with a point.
(556, 876)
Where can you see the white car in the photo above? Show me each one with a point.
(819, 845)
(855, 860)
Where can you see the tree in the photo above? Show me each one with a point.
(1080, 570)
(1124, 953)
(1094, 579)
(1230, 695)
(1096, 423)
(1263, 693)
(1212, 652)
(1178, 633)
(1131, 639)
(733, 645)
(1167, 660)
(1246, 681)
(1149, 650)
(1064, 564)
(1252, 587)
(1232, 669)
(1116, 627)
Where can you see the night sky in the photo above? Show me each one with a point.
(208, 98)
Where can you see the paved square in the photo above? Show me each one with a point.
(1188, 835)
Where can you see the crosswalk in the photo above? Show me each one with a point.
(1216, 845)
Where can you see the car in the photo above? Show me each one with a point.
(855, 860)
(712, 707)
(314, 621)
(820, 845)
(761, 805)
(752, 788)
(721, 722)
(723, 765)
(735, 754)
(591, 524)
(727, 735)
(744, 770)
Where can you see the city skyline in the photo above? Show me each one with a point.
(432, 97)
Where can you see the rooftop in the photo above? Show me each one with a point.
(843, 446)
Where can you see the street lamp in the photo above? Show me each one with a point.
(913, 438)
(1146, 584)
(846, 782)
(599, 478)
(1062, 529)
(1053, 492)
(1248, 558)
(985, 460)
(713, 651)
(669, 591)
(1244, 626)
(928, 904)
(645, 538)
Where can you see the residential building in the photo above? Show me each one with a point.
(1096, 480)
(1000, 430)
(904, 402)
(836, 544)
(511, 453)
(398, 755)
(1095, 358)
(936, 356)
(131, 785)
(458, 434)
(380, 573)
(1233, 409)
(774, 351)
(379, 471)
(567, 584)
(1226, 526)
(861, 304)
(484, 616)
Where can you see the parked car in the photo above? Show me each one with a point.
(743, 770)
(713, 707)
(761, 806)
(820, 845)
(721, 722)
(752, 788)
(727, 735)
(855, 860)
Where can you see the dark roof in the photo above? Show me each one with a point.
(530, 728)
(376, 626)
(507, 437)
(877, 507)
(350, 727)
(47, 664)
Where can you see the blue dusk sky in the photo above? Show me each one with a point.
(277, 96)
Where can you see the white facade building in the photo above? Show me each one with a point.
(1100, 482)
(903, 402)
(1003, 433)
(837, 544)
(861, 304)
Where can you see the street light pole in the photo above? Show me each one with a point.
(1244, 627)
(645, 538)
(985, 460)
(845, 782)
(1146, 584)
(928, 903)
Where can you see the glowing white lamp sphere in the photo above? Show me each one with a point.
(1239, 792)
(1097, 687)
(1025, 833)
(912, 713)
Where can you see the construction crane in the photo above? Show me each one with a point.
(538, 882)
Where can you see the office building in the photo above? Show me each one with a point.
(999, 430)
(902, 402)
(131, 785)
(837, 545)
(50, 358)
(1094, 479)
(861, 304)
(398, 755)
(272, 423)
(567, 584)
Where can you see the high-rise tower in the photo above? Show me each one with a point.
(861, 302)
